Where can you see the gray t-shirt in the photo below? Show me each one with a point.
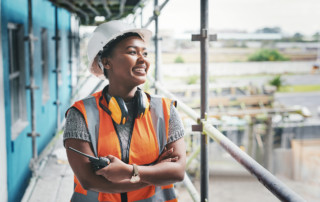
(76, 127)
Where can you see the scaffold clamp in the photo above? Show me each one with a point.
(30, 38)
(56, 38)
(157, 10)
(199, 126)
(56, 70)
(32, 87)
(204, 34)
(33, 134)
(57, 102)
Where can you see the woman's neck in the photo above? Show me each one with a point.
(125, 93)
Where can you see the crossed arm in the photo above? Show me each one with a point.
(115, 177)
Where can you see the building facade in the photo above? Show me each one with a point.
(15, 99)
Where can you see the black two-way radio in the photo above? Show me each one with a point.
(97, 162)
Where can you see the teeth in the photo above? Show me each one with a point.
(140, 70)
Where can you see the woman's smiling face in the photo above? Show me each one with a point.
(129, 64)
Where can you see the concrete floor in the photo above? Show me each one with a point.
(55, 183)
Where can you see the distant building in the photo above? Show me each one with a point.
(172, 41)
(303, 46)
(249, 36)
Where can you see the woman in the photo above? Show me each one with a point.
(142, 135)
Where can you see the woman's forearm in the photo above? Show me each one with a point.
(168, 172)
(162, 174)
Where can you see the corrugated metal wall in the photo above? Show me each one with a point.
(19, 151)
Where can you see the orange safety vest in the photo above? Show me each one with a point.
(146, 143)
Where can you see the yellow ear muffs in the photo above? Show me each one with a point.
(118, 109)
(142, 103)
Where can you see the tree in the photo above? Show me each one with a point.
(267, 55)
(269, 30)
(298, 37)
(179, 59)
(277, 82)
(316, 36)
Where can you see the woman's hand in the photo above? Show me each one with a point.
(164, 157)
(116, 171)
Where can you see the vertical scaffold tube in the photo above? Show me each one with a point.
(204, 99)
(141, 13)
(156, 43)
(32, 86)
(57, 67)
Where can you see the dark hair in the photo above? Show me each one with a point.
(109, 47)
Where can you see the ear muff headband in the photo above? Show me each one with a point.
(119, 111)
(141, 103)
(117, 108)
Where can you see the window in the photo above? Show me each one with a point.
(45, 66)
(16, 77)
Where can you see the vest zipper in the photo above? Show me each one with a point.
(124, 197)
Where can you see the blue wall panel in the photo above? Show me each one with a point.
(19, 151)
(65, 90)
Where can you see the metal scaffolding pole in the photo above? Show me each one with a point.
(32, 88)
(156, 13)
(204, 39)
(71, 41)
(268, 154)
(141, 13)
(57, 70)
(204, 45)
(156, 41)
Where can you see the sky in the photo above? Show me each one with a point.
(249, 15)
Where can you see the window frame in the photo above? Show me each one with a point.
(17, 126)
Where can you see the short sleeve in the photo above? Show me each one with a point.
(75, 127)
(176, 129)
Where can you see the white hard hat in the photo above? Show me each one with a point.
(102, 35)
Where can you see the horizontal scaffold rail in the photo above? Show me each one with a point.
(274, 185)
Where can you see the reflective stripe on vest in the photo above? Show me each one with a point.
(93, 119)
(155, 123)
(158, 121)
(90, 196)
(161, 195)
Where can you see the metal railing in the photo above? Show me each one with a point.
(274, 185)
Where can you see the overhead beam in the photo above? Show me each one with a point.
(106, 8)
(155, 15)
(76, 9)
(91, 8)
(121, 8)
(138, 5)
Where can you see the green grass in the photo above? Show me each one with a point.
(300, 88)
(192, 79)
(267, 55)
(179, 59)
